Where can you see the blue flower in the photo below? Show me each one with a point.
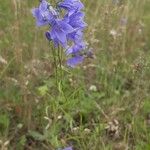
(76, 48)
(76, 20)
(67, 148)
(59, 31)
(71, 5)
(65, 29)
(72, 62)
(44, 14)
(76, 36)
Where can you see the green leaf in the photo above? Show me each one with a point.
(43, 90)
(23, 140)
(37, 136)
(4, 122)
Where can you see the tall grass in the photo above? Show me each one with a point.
(105, 101)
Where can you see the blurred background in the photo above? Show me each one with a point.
(104, 103)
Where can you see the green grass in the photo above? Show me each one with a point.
(37, 115)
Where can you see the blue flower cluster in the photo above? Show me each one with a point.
(66, 23)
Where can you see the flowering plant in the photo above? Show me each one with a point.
(66, 22)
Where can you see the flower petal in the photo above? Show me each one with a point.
(72, 62)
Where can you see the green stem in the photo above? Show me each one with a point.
(60, 62)
(57, 58)
(55, 64)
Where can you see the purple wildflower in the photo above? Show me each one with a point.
(68, 148)
(76, 37)
(64, 30)
(76, 20)
(59, 31)
(71, 5)
(43, 14)
(76, 48)
(72, 62)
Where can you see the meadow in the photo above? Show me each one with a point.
(104, 103)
